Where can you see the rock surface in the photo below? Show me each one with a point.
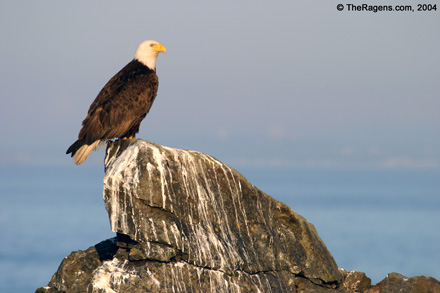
(186, 222)
(394, 283)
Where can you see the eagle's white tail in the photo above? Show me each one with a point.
(83, 152)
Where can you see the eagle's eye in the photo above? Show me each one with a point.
(152, 45)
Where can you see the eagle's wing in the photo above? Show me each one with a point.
(121, 104)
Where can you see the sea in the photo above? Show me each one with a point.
(372, 221)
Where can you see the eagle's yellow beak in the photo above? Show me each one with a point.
(160, 48)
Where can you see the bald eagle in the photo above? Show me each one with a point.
(122, 103)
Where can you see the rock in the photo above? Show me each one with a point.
(208, 215)
(185, 219)
(397, 283)
(355, 281)
(186, 222)
(76, 271)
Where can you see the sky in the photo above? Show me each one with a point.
(285, 84)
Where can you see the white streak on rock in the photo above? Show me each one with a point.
(109, 276)
(121, 173)
(153, 229)
(158, 158)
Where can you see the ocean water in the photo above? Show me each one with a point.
(376, 222)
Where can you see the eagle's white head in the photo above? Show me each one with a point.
(147, 52)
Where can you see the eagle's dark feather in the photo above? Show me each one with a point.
(120, 106)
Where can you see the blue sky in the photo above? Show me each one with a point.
(285, 84)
